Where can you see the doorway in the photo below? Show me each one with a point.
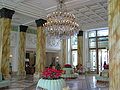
(30, 62)
(102, 57)
(93, 61)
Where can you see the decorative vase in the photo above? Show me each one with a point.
(57, 84)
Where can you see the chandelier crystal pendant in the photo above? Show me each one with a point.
(61, 24)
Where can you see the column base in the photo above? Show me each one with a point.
(7, 77)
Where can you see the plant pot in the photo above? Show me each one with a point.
(57, 84)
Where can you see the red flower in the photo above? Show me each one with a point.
(51, 73)
(67, 66)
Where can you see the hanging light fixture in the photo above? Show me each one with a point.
(61, 24)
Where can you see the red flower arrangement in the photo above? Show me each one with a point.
(67, 66)
(50, 73)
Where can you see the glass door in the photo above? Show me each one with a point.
(93, 65)
(74, 57)
(103, 57)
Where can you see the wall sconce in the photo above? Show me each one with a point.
(10, 56)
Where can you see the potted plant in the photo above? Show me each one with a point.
(51, 79)
(51, 73)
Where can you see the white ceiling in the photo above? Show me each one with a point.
(89, 13)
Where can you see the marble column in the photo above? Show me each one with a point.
(40, 47)
(5, 28)
(21, 50)
(64, 52)
(80, 47)
(114, 44)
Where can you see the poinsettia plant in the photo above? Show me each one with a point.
(67, 66)
(51, 73)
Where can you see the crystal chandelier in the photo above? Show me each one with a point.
(61, 24)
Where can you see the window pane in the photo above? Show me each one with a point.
(74, 58)
(103, 39)
(92, 34)
(103, 42)
(102, 33)
(93, 60)
(74, 42)
(92, 43)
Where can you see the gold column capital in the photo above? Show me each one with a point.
(23, 28)
(40, 22)
(80, 33)
(6, 13)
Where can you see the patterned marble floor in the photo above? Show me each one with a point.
(86, 83)
(81, 83)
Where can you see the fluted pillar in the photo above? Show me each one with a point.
(21, 50)
(64, 51)
(114, 44)
(80, 47)
(40, 47)
(5, 28)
